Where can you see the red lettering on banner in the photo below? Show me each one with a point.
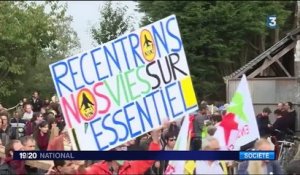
(244, 131)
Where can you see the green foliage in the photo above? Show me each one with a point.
(30, 39)
(219, 36)
(112, 23)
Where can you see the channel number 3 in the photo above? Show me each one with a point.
(271, 21)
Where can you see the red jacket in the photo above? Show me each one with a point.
(128, 168)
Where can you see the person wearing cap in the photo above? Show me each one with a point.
(263, 121)
(121, 167)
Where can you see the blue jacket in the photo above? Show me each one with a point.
(273, 167)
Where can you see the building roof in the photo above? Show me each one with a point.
(277, 50)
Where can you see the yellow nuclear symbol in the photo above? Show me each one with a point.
(86, 104)
(147, 45)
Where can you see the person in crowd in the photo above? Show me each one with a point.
(54, 130)
(24, 101)
(281, 107)
(291, 115)
(54, 112)
(46, 103)
(210, 167)
(36, 102)
(159, 166)
(43, 111)
(21, 106)
(293, 167)
(5, 122)
(170, 142)
(260, 167)
(126, 167)
(263, 121)
(63, 167)
(211, 130)
(172, 128)
(61, 142)
(50, 114)
(216, 119)
(7, 131)
(279, 124)
(156, 169)
(31, 125)
(132, 145)
(42, 135)
(11, 166)
(17, 117)
(18, 125)
(143, 142)
(198, 124)
(28, 112)
(54, 99)
(29, 144)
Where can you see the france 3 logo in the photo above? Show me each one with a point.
(271, 22)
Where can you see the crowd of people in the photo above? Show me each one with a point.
(37, 124)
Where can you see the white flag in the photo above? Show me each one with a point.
(239, 126)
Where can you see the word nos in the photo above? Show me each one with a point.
(121, 90)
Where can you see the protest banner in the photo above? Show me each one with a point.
(126, 87)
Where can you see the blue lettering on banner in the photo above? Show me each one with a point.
(97, 64)
(124, 50)
(110, 129)
(81, 67)
(113, 58)
(172, 99)
(173, 36)
(162, 41)
(116, 122)
(130, 119)
(257, 155)
(73, 73)
(146, 115)
(165, 104)
(57, 78)
(96, 135)
(154, 102)
(134, 48)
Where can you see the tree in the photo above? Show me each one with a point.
(219, 36)
(113, 23)
(30, 39)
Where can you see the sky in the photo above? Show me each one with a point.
(87, 13)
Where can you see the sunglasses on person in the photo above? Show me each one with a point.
(171, 140)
